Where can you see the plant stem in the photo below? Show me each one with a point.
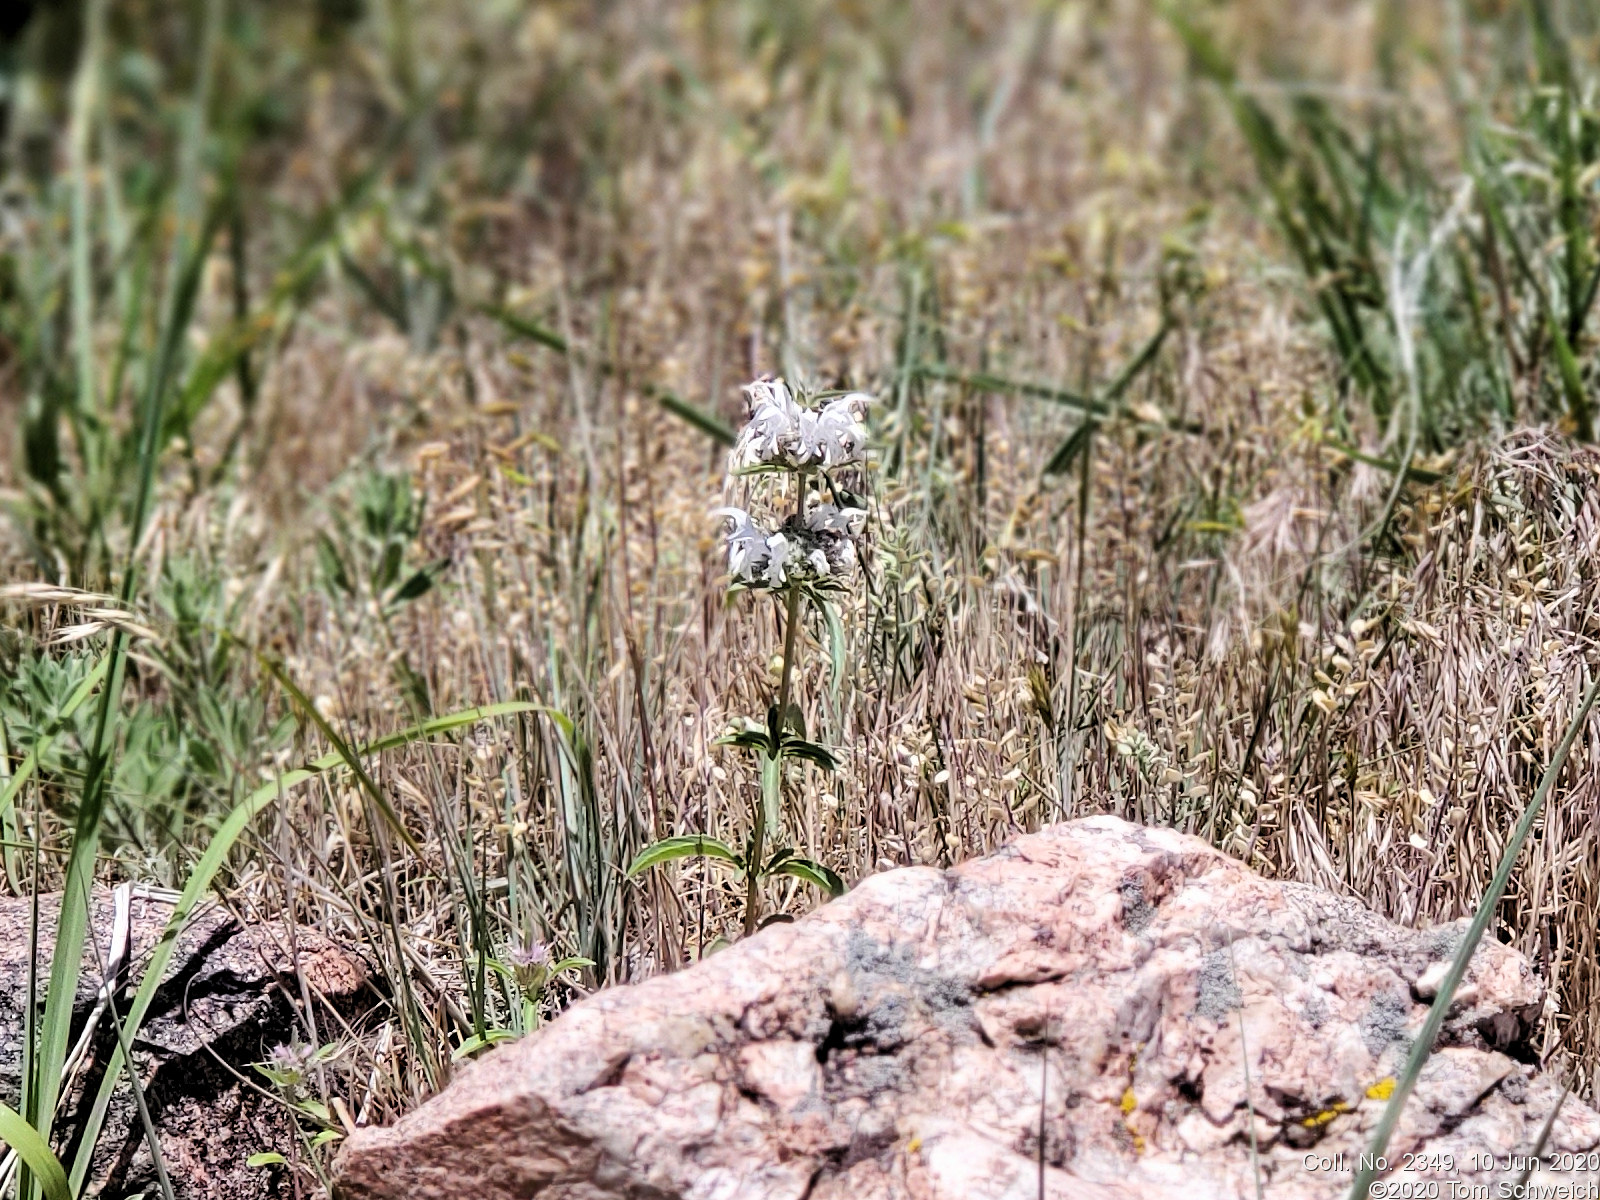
(791, 624)
(771, 770)
(752, 866)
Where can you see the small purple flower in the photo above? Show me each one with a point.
(530, 964)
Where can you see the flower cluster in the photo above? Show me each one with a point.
(783, 434)
(817, 547)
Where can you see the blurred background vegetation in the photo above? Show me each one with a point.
(368, 361)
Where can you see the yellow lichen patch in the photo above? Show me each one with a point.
(1318, 1120)
(1381, 1090)
(1128, 1105)
(914, 1145)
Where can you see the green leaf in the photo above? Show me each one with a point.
(572, 962)
(267, 1158)
(413, 733)
(477, 1044)
(309, 710)
(419, 584)
(746, 739)
(685, 846)
(326, 1136)
(1131, 369)
(1571, 382)
(830, 614)
(31, 763)
(35, 1151)
(332, 564)
(995, 383)
(524, 328)
(796, 719)
(779, 856)
(811, 872)
(388, 569)
(794, 747)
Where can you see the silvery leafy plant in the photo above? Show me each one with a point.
(798, 544)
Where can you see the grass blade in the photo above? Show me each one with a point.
(982, 382)
(1069, 450)
(524, 328)
(707, 423)
(35, 1151)
(1423, 1046)
(199, 882)
(1136, 364)
(343, 749)
(73, 922)
(84, 106)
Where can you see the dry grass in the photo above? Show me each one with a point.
(1202, 629)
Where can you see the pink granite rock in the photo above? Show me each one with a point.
(1075, 1016)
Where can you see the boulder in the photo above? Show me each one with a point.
(229, 995)
(1098, 1010)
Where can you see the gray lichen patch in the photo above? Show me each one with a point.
(1137, 912)
(890, 988)
(1384, 1022)
(1219, 991)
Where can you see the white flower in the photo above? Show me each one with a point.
(773, 432)
(782, 433)
(747, 543)
(839, 433)
(830, 518)
(817, 543)
(779, 553)
(842, 556)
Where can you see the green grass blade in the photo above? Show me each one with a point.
(455, 720)
(1069, 450)
(524, 328)
(73, 923)
(84, 107)
(1420, 474)
(1571, 381)
(982, 382)
(707, 423)
(343, 750)
(836, 648)
(199, 883)
(35, 1151)
(1423, 1046)
(1137, 364)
